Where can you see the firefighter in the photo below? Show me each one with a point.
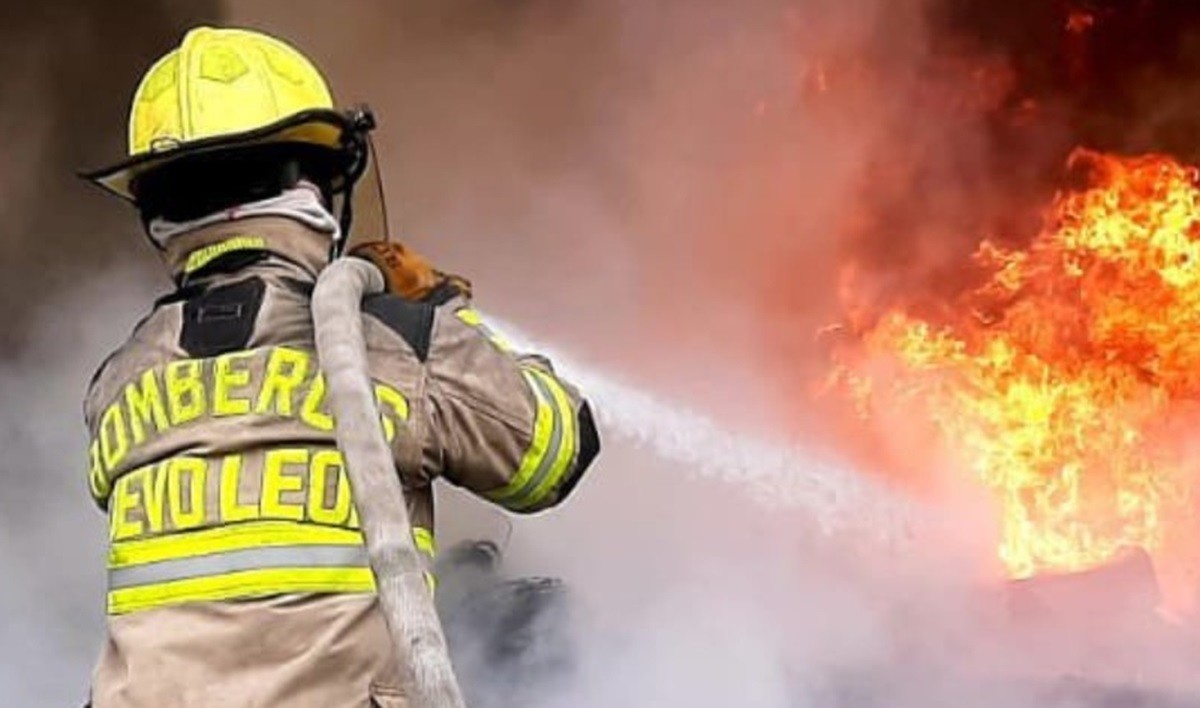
(237, 574)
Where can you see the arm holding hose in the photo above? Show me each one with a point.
(512, 431)
(504, 425)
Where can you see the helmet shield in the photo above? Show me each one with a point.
(366, 204)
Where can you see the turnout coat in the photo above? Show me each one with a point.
(237, 574)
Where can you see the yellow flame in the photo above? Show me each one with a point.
(1057, 379)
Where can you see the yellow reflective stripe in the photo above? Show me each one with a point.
(471, 318)
(566, 450)
(215, 564)
(242, 584)
(232, 537)
(203, 256)
(423, 538)
(539, 448)
(552, 450)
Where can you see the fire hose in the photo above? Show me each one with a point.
(404, 595)
(775, 475)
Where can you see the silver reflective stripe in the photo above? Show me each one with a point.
(487, 331)
(556, 438)
(323, 556)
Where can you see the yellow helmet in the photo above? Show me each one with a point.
(223, 89)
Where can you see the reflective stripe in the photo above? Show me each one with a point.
(228, 538)
(551, 451)
(565, 455)
(203, 256)
(555, 437)
(423, 539)
(242, 585)
(547, 436)
(471, 318)
(237, 561)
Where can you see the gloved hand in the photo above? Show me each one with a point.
(408, 274)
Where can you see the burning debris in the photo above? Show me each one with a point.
(1040, 333)
(1063, 379)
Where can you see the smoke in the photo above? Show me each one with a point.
(667, 191)
(64, 110)
(74, 279)
(52, 542)
(773, 476)
(664, 190)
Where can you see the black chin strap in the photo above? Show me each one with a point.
(345, 220)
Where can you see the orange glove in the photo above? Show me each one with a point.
(406, 273)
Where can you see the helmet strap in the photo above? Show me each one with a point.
(355, 143)
(345, 221)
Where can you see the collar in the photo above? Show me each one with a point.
(302, 203)
(281, 236)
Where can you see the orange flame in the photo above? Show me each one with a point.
(1080, 21)
(1062, 381)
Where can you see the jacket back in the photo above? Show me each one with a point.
(237, 572)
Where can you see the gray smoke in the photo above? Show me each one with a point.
(52, 547)
(641, 185)
(626, 181)
(75, 277)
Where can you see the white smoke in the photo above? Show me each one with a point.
(775, 475)
(588, 162)
(635, 183)
(52, 543)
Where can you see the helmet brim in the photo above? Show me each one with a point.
(320, 127)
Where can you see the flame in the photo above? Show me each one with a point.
(1063, 379)
(1080, 21)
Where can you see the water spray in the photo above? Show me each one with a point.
(775, 475)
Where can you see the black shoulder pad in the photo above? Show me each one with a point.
(221, 319)
(442, 294)
(411, 320)
(179, 295)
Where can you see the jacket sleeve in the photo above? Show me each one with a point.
(510, 429)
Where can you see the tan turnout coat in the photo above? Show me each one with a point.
(236, 571)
